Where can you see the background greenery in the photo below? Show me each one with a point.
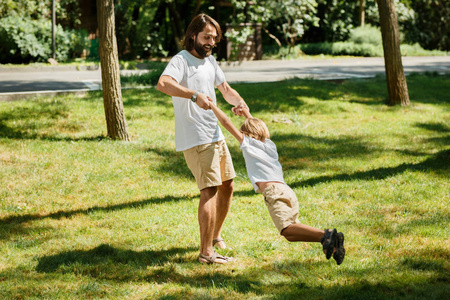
(85, 217)
(153, 28)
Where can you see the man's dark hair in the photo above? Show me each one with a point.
(196, 26)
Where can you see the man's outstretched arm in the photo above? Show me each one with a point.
(171, 87)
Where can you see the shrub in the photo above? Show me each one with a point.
(342, 48)
(366, 35)
(25, 40)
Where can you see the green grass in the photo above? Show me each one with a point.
(84, 217)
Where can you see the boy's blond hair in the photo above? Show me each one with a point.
(255, 128)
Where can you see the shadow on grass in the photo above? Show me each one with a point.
(34, 117)
(141, 97)
(438, 162)
(104, 255)
(171, 162)
(292, 147)
(437, 127)
(67, 214)
(160, 266)
(26, 117)
(292, 93)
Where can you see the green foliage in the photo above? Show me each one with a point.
(336, 19)
(342, 48)
(68, 12)
(237, 37)
(26, 40)
(290, 19)
(366, 35)
(94, 53)
(25, 31)
(430, 26)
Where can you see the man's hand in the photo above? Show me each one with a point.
(238, 109)
(203, 101)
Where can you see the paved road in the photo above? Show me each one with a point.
(21, 82)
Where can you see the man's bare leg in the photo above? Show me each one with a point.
(223, 203)
(206, 219)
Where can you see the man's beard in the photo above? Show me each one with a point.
(201, 51)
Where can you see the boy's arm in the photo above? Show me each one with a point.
(246, 113)
(226, 122)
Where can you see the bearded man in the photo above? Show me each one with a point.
(190, 78)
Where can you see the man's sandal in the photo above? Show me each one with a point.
(217, 241)
(213, 259)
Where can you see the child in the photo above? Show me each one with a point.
(266, 174)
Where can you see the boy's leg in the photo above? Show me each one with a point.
(302, 233)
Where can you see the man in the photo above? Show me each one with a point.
(190, 78)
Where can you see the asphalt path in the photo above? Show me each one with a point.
(22, 82)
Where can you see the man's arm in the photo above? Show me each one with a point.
(171, 87)
(232, 97)
(226, 122)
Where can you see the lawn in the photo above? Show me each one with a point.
(84, 217)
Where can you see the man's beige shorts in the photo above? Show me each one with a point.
(282, 204)
(210, 164)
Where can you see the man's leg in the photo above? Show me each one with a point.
(206, 219)
(223, 203)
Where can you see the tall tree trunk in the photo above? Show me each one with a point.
(395, 76)
(175, 21)
(109, 59)
(362, 12)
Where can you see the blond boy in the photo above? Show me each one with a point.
(266, 175)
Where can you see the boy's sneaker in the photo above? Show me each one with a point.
(340, 250)
(329, 242)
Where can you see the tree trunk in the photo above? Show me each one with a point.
(175, 21)
(395, 76)
(362, 12)
(109, 59)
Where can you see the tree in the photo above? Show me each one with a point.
(362, 13)
(395, 76)
(290, 18)
(109, 60)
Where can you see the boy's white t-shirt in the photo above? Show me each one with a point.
(261, 160)
(193, 125)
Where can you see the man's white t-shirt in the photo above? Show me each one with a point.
(261, 161)
(193, 125)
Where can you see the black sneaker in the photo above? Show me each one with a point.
(340, 250)
(329, 242)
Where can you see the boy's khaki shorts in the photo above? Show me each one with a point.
(210, 164)
(282, 204)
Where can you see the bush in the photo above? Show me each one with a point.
(430, 26)
(342, 48)
(366, 35)
(25, 40)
